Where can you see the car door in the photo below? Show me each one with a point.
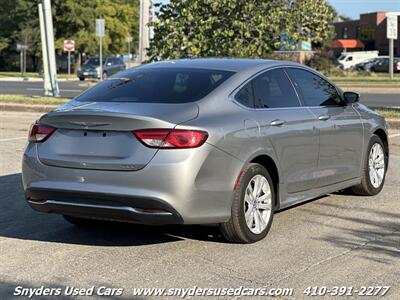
(116, 65)
(111, 66)
(120, 63)
(340, 127)
(382, 65)
(290, 128)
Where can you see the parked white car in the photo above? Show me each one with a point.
(348, 60)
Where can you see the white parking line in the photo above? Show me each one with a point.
(13, 139)
(394, 135)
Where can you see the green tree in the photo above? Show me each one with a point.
(240, 28)
(310, 20)
(76, 20)
(19, 22)
(200, 28)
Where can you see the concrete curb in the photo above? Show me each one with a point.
(393, 123)
(26, 107)
(372, 89)
(34, 79)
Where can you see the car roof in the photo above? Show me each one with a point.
(223, 64)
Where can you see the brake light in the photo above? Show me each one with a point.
(398, 66)
(38, 133)
(171, 138)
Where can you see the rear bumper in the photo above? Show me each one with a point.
(88, 74)
(191, 186)
(103, 206)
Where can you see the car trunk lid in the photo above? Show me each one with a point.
(99, 136)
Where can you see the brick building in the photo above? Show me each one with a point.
(370, 29)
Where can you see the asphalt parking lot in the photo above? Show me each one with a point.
(336, 240)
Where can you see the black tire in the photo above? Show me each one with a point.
(365, 188)
(81, 78)
(236, 229)
(81, 222)
(105, 76)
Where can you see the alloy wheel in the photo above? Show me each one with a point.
(257, 204)
(376, 163)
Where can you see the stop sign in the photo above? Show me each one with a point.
(69, 45)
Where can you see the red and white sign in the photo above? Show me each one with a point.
(69, 45)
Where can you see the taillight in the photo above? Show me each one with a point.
(39, 133)
(398, 66)
(171, 138)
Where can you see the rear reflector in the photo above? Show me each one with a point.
(237, 182)
(39, 133)
(171, 138)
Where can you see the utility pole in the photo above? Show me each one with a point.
(100, 32)
(141, 31)
(48, 51)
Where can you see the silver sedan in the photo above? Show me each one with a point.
(204, 141)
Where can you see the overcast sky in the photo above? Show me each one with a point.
(353, 8)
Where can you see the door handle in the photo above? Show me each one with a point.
(324, 117)
(277, 122)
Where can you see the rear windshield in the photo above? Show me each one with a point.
(153, 85)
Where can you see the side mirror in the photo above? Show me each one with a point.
(351, 97)
(108, 64)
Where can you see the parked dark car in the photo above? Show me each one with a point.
(91, 67)
(382, 65)
(366, 65)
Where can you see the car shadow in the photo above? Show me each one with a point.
(375, 238)
(19, 221)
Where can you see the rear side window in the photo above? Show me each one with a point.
(314, 90)
(245, 96)
(273, 89)
(157, 85)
